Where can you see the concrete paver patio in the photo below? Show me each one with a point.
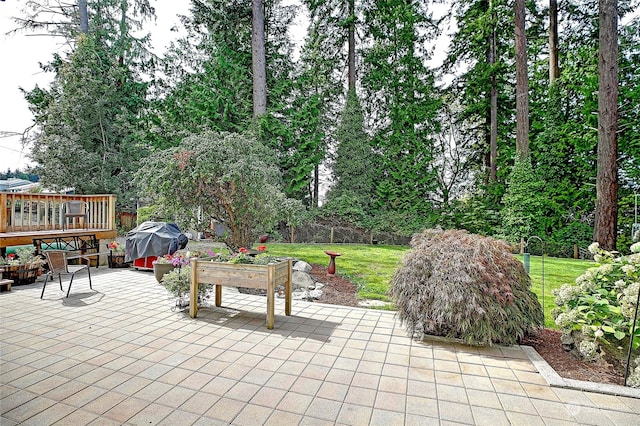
(120, 355)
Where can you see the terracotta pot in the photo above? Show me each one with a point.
(159, 269)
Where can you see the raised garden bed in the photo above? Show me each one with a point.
(220, 274)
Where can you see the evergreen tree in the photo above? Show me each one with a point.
(606, 216)
(336, 21)
(88, 129)
(522, 202)
(209, 79)
(399, 91)
(206, 82)
(481, 57)
(353, 168)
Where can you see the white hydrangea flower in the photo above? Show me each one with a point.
(562, 320)
(635, 248)
(589, 350)
(605, 269)
(585, 280)
(619, 285)
(628, 269)
(634, 378)
(566, 293)
(594, 247)
(567, 320)
(628, 300)
(588, 282)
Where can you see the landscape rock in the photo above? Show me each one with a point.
(304, 294)
(301, 279)
(302, 266)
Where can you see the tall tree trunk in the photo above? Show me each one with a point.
(84, 17)
(606, 219)
(124, 33)
(554, 68)
(352, 46)
(316, 187)
(258, 59)
(522, 84)
(493, 141)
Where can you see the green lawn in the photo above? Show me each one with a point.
(372, 267)
(557, 271)
(369, 267)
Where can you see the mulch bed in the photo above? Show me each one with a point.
(547, 344)
(337, 290)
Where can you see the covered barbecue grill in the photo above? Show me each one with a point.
(150, 240)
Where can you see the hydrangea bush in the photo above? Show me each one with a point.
(597, 311)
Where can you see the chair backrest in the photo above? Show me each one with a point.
(74, 207)
(57, 260)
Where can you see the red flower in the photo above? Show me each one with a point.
(262, 248)
(11, 256)
(243, 250)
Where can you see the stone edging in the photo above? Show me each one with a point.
(554, 379)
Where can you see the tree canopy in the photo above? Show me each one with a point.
(226, 178)
(360, 116)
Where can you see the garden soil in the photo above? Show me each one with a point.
(340, 291)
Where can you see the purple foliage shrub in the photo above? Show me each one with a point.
(465, 286)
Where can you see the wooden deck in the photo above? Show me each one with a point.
(25, 216)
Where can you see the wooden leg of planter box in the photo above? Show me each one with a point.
(218, 295)
(193, 294)
(271, 289)
(287, 293)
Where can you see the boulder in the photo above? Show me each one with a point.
(301, 279)
(302, 266)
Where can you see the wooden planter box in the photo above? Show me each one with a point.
(21, 274)
(116, 260)
(265, 277)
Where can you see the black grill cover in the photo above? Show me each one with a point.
(154, 239)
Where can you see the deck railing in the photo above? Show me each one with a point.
(27, 212)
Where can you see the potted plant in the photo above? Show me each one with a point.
(178, 283)
(167, 263)
(116, 255)
(23, 266)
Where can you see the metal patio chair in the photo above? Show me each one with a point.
(58, 265)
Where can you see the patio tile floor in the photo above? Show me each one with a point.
(121, 355)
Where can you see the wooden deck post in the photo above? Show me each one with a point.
(3, 212)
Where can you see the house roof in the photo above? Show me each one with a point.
(16, 185)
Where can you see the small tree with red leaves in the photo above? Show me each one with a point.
(465, 286)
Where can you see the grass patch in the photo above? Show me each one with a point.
(557, 271)
(371, 268)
